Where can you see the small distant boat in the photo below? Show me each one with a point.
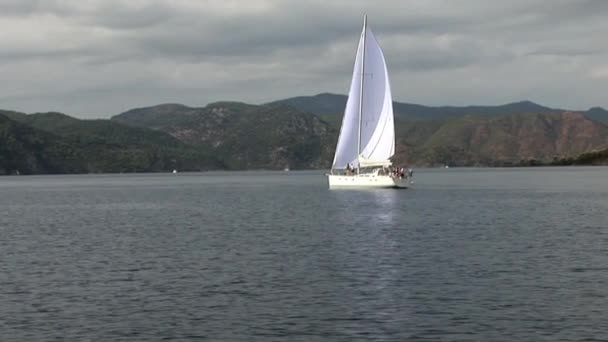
(447, 166)
(286, 169)
(174, 171)
(367, 136)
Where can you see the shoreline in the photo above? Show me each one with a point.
(434, 168)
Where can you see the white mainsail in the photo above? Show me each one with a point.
(367, 136)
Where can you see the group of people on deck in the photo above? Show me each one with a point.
(399, 172)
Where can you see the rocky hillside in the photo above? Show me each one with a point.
(504, 140)
(244, 136)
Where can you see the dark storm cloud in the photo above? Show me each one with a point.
(98, 57)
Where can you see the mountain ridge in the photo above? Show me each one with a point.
(328, 104)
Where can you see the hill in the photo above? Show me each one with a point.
(598, 114)
(46, 121)
(27, 150)
(244, 136)
(57, 143)
(505, 140)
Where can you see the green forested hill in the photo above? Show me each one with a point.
(24, 149)
(56, 143)
(45, 121)
(599, 157)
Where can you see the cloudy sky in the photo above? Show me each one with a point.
(97, 58)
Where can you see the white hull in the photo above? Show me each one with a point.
(368, 180)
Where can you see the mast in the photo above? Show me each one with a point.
(361, 89)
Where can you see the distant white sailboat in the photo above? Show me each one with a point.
(367, 136)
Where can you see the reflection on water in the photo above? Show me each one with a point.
(373, 206)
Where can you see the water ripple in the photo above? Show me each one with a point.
(259, 257)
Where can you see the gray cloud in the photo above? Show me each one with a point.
(99, 57)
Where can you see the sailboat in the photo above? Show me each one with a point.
(367, 136)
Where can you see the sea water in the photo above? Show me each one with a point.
(467, 254)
